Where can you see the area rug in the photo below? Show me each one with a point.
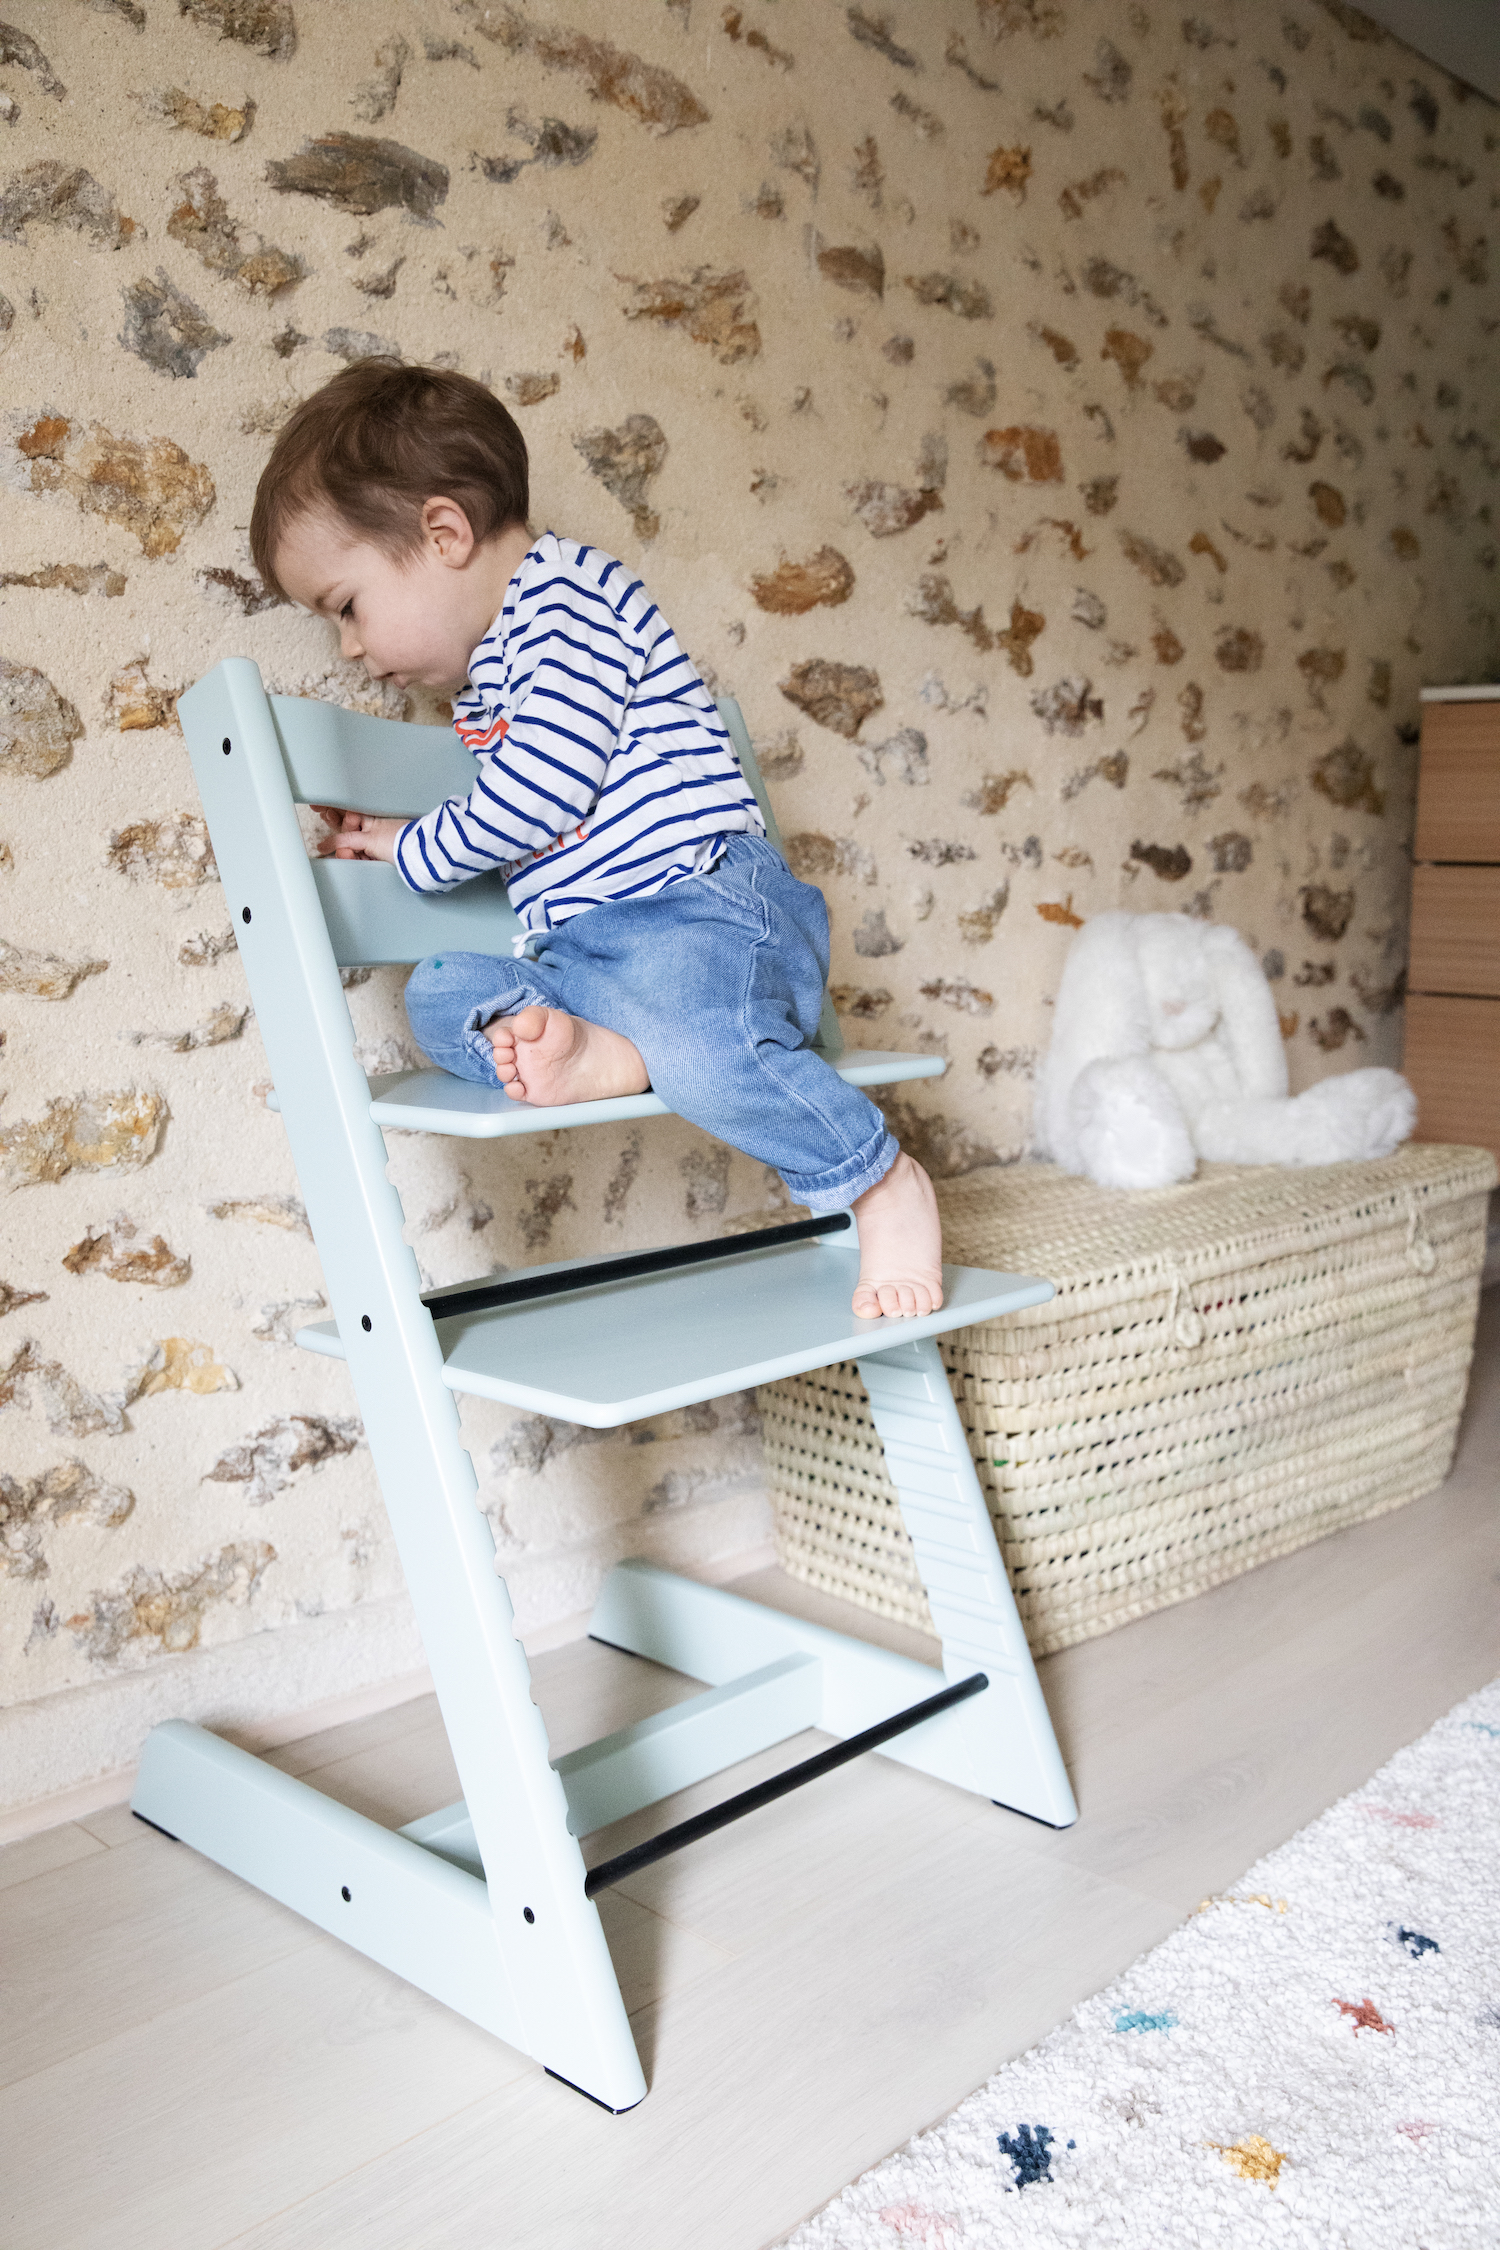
(1312, 2060)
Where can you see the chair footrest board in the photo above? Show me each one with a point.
(432, 1101)
(621, 1350)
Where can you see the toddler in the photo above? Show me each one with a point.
(667, 943)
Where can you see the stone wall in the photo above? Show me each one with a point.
(1064, 426)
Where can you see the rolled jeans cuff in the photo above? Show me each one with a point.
(823, 1192)
(475, 1044)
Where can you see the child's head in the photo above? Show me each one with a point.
(384, 504)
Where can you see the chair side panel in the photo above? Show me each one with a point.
(374, 919)
(339, 757)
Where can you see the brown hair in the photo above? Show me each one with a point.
(378, 442)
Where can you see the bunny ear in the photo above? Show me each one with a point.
(1099, 1015)
(1247, 1014)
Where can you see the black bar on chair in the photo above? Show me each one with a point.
(516, 1289)
(780, 1785)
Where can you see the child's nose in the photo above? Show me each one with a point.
(350, 644)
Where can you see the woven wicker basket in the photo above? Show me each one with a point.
(1228, 1370)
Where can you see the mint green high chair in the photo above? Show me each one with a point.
(486, 1904)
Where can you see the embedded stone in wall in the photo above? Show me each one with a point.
(202, 221)
(957, 992)
(266, 1462)
(42, 975)
(115, 1132)
(850, 267)
(137, 703)
(166, 329)
(38, 727)
(72, 578)
(226, 1022)
(268, 27)
(282, 1211)
(970, 300)
(994, 791)
(148, 486)
(625, 460)
(20, 48)
(212, 121)
(1068, 705)
(1327, 912)
(12, 1299)
(174, 851)
(1232, 852)
(120, 1253)
(706, 1171)
(933, 599)
(167, 1608)
(1170, 862)
(247, 595)
(945, 1147)
(874, 939)
(1346, 777)
(903, 757)
(530, 390)
(279, 1322)
(53, 194)
(885, 509)
(712, 308)
(69, 1490)
(552, 142)
(977, 926)
(177, 1363)
(71, 1410)
(860, 1001)
(1199, 782)
(659, 101)
(793, 587)
(546, 1199)
(361, 175)
(838, 696)
(1023, 454)
(351, 344)
(1156, 564)
(376, 97)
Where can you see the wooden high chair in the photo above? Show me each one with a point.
(486, 1904)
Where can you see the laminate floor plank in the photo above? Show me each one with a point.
(110, 1941)
(225, 2108)
(31, 1856)
(943, 1967)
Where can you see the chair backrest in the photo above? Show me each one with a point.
(339, 757)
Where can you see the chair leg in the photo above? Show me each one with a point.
(1008, 1731)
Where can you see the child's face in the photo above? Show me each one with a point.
(412, 619)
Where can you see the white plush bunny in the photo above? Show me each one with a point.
(1165, 1047)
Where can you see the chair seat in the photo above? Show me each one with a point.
(430, 1101)
(617, 1351)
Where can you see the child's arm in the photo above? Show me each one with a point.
(540, 771)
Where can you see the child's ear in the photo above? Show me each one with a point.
(447, 532)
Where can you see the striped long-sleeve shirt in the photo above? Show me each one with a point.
(604, 770)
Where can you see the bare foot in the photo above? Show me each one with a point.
(546, 1058)
(900, 1246)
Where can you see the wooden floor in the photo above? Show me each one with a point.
(186, 2064)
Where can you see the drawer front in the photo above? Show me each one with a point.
(1455, 930)
(1458, 788)
(1453, 1061)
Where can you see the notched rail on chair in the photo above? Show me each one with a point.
(780, 1785)
(520, 1287)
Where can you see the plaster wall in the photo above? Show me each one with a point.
(1066, 427)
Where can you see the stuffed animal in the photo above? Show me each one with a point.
(1166, 1047)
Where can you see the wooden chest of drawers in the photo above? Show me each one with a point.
(1453, 1005)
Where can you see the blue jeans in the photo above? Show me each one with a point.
(718, 980)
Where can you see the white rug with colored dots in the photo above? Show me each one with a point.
(1313, 2060)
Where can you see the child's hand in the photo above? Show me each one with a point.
(356, 835)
